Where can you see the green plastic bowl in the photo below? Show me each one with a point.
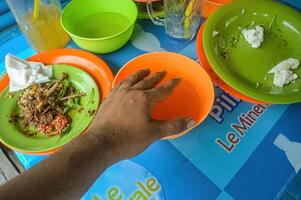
(244, 68)
(100, 26)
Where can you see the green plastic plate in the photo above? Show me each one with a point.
(245, 68)
(11, 133)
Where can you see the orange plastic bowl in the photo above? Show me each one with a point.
(193, 98)
(86, 61)
(204, 62)
(211, 6)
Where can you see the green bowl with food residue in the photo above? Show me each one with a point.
(100, 26)
(245, 68)
(29, 140)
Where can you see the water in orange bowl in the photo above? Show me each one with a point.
(183, 102)
(192, 98)
(45, 32)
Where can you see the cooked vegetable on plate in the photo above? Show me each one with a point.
(46, 106)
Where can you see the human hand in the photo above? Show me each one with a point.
(124, 118)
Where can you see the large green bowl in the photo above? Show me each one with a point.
(245, 68)
(100, 26)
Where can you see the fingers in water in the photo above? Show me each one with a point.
(151, 81)
(163, 92)
(134, 78)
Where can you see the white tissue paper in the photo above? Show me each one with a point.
(23, 74)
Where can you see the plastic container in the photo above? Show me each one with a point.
(212, 5)
(192, 98)
(158, 6)
(100, 26)
(215, 78)
(86, 61)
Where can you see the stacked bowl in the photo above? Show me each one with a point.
(242, 70)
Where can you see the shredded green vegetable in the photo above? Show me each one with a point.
(272, 22)
(91, 97)
(66, 131)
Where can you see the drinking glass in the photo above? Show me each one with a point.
(43, 30)
(182, 17)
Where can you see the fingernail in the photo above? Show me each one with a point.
(162, 72)
(177, 81)
(145, 70)
(191, 123)
(178, 78)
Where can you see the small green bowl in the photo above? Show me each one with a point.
(100, 26)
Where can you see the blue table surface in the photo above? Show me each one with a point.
(196, 166)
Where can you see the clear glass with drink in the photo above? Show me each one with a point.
(182, 17)
(41, 24)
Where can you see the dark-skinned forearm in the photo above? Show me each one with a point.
(65, 175)
(122, 128)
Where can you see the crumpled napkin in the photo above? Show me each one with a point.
(23, 74)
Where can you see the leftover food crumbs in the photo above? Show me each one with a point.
(46, 106)
(215, 33)
(9, 95)
(91, 112)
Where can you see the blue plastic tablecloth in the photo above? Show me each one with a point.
(202, 164)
